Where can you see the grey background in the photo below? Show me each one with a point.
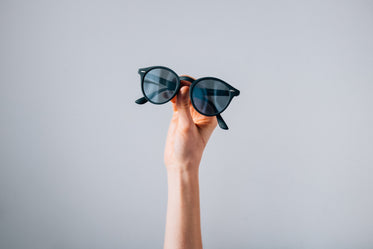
(81, 165)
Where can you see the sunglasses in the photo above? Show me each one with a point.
(209, 96)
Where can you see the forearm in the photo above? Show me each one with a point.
(183, 227)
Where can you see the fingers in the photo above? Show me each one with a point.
(186, 115)
(173, 100)
(183, 107)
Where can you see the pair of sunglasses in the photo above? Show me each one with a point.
(209, 96)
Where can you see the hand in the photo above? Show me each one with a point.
(188, 133)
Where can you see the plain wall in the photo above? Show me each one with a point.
(81, 165)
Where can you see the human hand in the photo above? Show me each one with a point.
(188, 133)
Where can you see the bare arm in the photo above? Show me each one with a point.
(187, 137)
(183, 228)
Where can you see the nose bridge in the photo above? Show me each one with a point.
(186, 78)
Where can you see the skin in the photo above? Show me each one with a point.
(187, 137)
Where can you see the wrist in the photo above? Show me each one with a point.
(189, 169)
(180, 177)
(186, 163)
(185, 171)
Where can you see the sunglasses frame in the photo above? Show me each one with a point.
(232, 91)
(144, 71)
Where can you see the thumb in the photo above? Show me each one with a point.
(183, 106)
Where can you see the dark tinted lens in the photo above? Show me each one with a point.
(210, 96)
(160, 85)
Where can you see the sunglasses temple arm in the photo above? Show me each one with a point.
(141, 101)
(221, 122)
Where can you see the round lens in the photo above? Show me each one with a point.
(210, 96)
(160, 85)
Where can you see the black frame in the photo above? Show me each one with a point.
(232, 91)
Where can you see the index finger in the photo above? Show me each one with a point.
(182, 83)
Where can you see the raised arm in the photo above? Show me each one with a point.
(187, 137)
